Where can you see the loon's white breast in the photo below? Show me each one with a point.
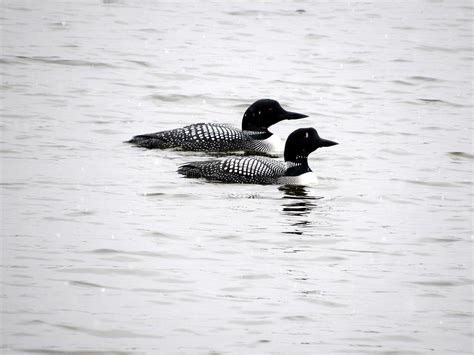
(308, 178)
(274, 144)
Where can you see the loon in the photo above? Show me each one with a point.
(213, 137)
(264, 170)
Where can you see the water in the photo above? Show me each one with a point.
(106, 250)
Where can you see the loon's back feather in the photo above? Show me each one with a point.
(158, 140)
(250, 170)
(197, 169)
(197, 137)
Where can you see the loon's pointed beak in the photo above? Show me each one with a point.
(286, 115)
(326, 143)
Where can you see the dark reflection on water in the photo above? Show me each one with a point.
(300, 205)
(296, 191)
(300, 208)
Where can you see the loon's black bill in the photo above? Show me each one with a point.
(326, 143)
(292, 115)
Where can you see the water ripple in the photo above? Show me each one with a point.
(109, 333)
(460, 155)
(429, 183)
(444, 102)
(424, 78)
(137, 253)
(441, 283)
(68, 62)
(66, 351)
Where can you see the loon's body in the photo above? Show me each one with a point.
(213, 137)
(263, 170)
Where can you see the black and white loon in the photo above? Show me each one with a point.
(213, 137)
(264, 170)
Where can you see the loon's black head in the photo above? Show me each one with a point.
(302, 142)
(265, 113)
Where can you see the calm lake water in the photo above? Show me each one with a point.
(106, 250)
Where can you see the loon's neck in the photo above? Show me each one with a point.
(259, 135)
(298, 167)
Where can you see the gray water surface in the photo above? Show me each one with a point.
(105, 249)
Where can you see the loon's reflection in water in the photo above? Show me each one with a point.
(298, 203)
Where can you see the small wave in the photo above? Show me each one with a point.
(444, 49)
(89, 285)
(396, 152)
(175, 76)
(63, 25)
(459, 315)
(69, 62)
(136, 253)
(256, 276)
(149, 30)
(250, 322)
(257, 13)
(438, 101)
(428, 183)
(365, 251)
(315, 36)
(402, 82)
(401, 60)
(439, 283)
(104, 251)
(140, 63)
(432, 183)
(298, 318)
(7, 61)
(351, 61)
(20, 9)
(325, 303)
(106, 131)
(357, 200)
(408, 28)
(110, 333)
(424, 78)
(80, 213)
(177, 97)
(232, 76)
(109, 271)
(462, 155)
(244, 13)
(401, 338)
(74, 352)
(442, 240)
(160, 290)
(420, 102)
(302, 83)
